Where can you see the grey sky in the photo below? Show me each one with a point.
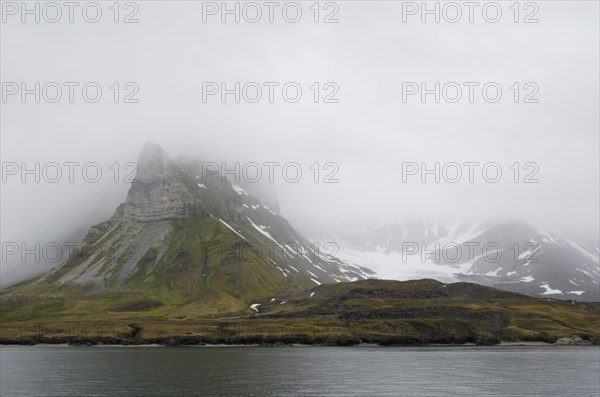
(368, 134)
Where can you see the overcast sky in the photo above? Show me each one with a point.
(368, 134)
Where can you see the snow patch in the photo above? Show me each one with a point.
(549, 237)
(549, 291)
(319, 267)
(583, 251)
(400, 266)
(528, 254)
(291, 249)
(281, 270)
(232, 229)
(493, 273)
(585, 272)
(238, 189)
(263, 232)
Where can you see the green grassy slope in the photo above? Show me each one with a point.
(200, 268)
(378, 311)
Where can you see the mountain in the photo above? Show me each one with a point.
(186, 242)
(191, 257)
(511, 255)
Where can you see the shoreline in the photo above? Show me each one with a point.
(281, 340)
(135, 344)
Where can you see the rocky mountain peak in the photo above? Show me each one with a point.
(230, 243)
(153, 163)
(156, 193)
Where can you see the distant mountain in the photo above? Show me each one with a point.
(191, 243)
(510, 255)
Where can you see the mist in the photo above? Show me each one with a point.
(362, 144)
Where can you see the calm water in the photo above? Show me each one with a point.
(300, 371)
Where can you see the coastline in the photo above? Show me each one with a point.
(89, 342)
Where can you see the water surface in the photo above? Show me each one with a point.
(300, 371)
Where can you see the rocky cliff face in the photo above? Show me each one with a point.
(157, 193)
